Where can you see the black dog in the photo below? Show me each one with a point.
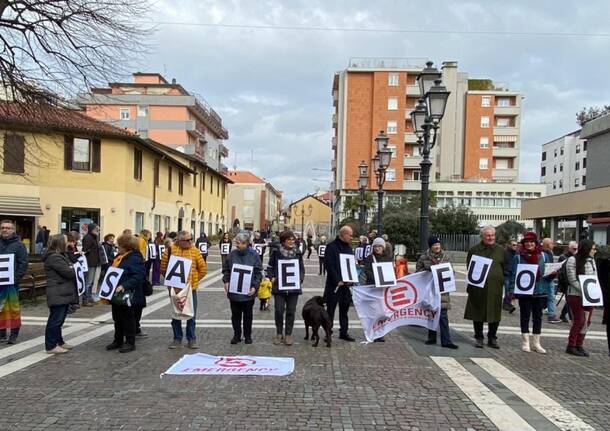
(315, 315)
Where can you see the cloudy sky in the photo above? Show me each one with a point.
(272, 86)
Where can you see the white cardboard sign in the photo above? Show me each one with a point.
(349, 274)
(224, 248)
(161, 250)
(478, 270)
(591, 291)
(384, 274)
(443, 277)
(553, 267)
(241, 278)
(110, 282)
(152, 251)
(7, 269)
(203, 248)
(321, 250)
(525, 279)
(80, 277)
(260, 249)
(83, 263)
(368, 250)
(359, 253)
(177, 273)
(289, 274)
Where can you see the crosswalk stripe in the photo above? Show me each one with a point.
(548, 407)
(502, 416)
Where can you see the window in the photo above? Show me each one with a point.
(503, 102)
(82, 154)
(577, 148)
(485, 122)
(554, 185)
(584, 163)
(137, 164)
(124, 113)
(502, 164)
(416, 152)
(211, 184)
(576, 182)
(485, 101)
(555, 153)
(156, 174)
(561, 151)
(584, 146)
(194, 180)
(218, 187)
(393, 79)
(577, 166)
(554, 169)
(560, 183)
(584, 180)
(391, 128)
(392, 103)
(143, 133)
(142, 111)
(390, 175)
(392, 148)
(483, 163)
(543, 171)
(416, 175)
(484, 142)
(503, 122)
(248, 195)
(14, 153)
(139, 221)
(561, 167)
(169, 178)
(543, 156)
(203, 181)
(180, 183)
(157, 223)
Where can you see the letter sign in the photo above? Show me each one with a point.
(443, 277)
(178, 270)
(241, 277)
(321, 250)
(591, 291)
(525, 279)
(349, 273)
(224, 248)
(110, 283)
(368, 250)
(478, 270)
(83, 263)
(161, 250)
(152, 251)
(80, 278)
(359, 253)
(7, 269)
(260, 249)
(203, 248)
(384, 274)
(289, 274)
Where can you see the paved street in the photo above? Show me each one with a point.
(400, 384)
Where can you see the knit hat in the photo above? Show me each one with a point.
(433, 240)
(530, 236)
(379, 241)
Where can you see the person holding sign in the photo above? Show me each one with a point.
(530, 289)
(321, 251)
(582, 263)
(337, 291)
(10, 276)
(484, 303)
(61, 292)
(241, 275)
(184, 248)
(435, 256)
(130, 286)
(203, 239)
(225, 246)
(287, 272)
(91, 249)
(156, 268)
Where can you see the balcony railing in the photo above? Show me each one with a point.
(412, 161)
(334, 142)
(410, 138)
(413, 90)
(412, 185)
(387, 63)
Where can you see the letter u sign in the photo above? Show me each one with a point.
(478, 270)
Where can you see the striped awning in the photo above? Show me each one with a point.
(20, 206)
(507, 138)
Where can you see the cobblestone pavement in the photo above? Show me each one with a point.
(398, 385)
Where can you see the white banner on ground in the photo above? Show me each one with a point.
(177, 273)
(110, 282)
(444, 277)
(349, 273)
(80, 277)
(241, 278)
(384, 274)
(83, 263)
(7, 269)
(525, 279)
(478, 270)
(591, 291)
(413, 301)
(289, 274)
(200, 364)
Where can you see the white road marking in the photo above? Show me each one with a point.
(548, 407)
(498, 412)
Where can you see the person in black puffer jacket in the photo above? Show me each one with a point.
(241, 305)
(61, 292)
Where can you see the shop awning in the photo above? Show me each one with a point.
(20, 206)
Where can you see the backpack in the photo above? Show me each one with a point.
(562, 278)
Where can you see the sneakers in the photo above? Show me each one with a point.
(478, 343)
(379, 340)
(113, 346)
(248, 341)
(288, 340)
(347, 337)
(192, 344)
(12, 340)
(582, 351)
(573, 351)
(235, 340)
(493, 343)
(277, 340)
(450, 346)
(67, 346)
(176, 344)
(57, 350)
(554, 319)
(127, 348)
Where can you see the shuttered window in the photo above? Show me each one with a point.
(82, 154)
(180, 183)
(14, 153)
(169, 178)
(156, 175)
(137, 164)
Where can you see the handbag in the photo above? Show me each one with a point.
(123, 298)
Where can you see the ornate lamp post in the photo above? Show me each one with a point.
(302, 215)
(381, 161)
(363, 180)
(426, 118)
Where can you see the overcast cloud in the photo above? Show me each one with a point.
(273, 87)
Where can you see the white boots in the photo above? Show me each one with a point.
(535, 342)
(525, 342)
(531, 344)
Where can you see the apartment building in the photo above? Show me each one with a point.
(478, 141)
(163, 111)
(564, 164)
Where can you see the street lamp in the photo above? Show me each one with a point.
(426, 118)
(363, 180)
(381, 161)
(302, 215)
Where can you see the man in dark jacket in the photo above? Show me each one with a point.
(203, 239)
(509, 254)
(336, 291)
(10, 310)
(91, 248)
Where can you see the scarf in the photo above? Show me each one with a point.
(117, 260)
(288, 253)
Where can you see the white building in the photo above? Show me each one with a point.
(564, 164)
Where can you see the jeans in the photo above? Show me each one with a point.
(92, 277)
(52, 333)
(443, 324)
(506, 299)
(343, 298)
(579, 321)
(550, 302)
(124, 324)
(322, 267)
(492, 330)
(531, 306)
(190, 324)
(239, 309)
(289, 304)
(565, 311)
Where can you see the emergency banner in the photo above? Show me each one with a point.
(200, 364)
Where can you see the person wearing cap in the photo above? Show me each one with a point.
(377, 255)
(434, 256)
(530, 252)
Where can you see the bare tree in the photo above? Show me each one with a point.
(591, 113)
(50, 47)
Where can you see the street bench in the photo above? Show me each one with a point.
(33, 280)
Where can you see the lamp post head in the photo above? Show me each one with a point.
(426, 78)
(363, 169)
(436, 101)
(418, 116)
(381, 140)
(376, 163)
(385, 156)
(362, 182)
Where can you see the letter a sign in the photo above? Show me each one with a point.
(349, 274)
(241, 278)
(384, 274)
(178, 270)
(7, 269)
(110, 283)
(289, 274)
(478, 270)
(591, 291)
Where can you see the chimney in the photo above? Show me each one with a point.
(173, 81)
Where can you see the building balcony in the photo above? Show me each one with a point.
(505, 152)
(335, 97)
(223, 150)
(334, 120)
(411, 185)
(410, 138)
(411, 161)
(507, 110)
(333, 164)
(504, 175)
(506, 131)
(413, 90)
(333, 141)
